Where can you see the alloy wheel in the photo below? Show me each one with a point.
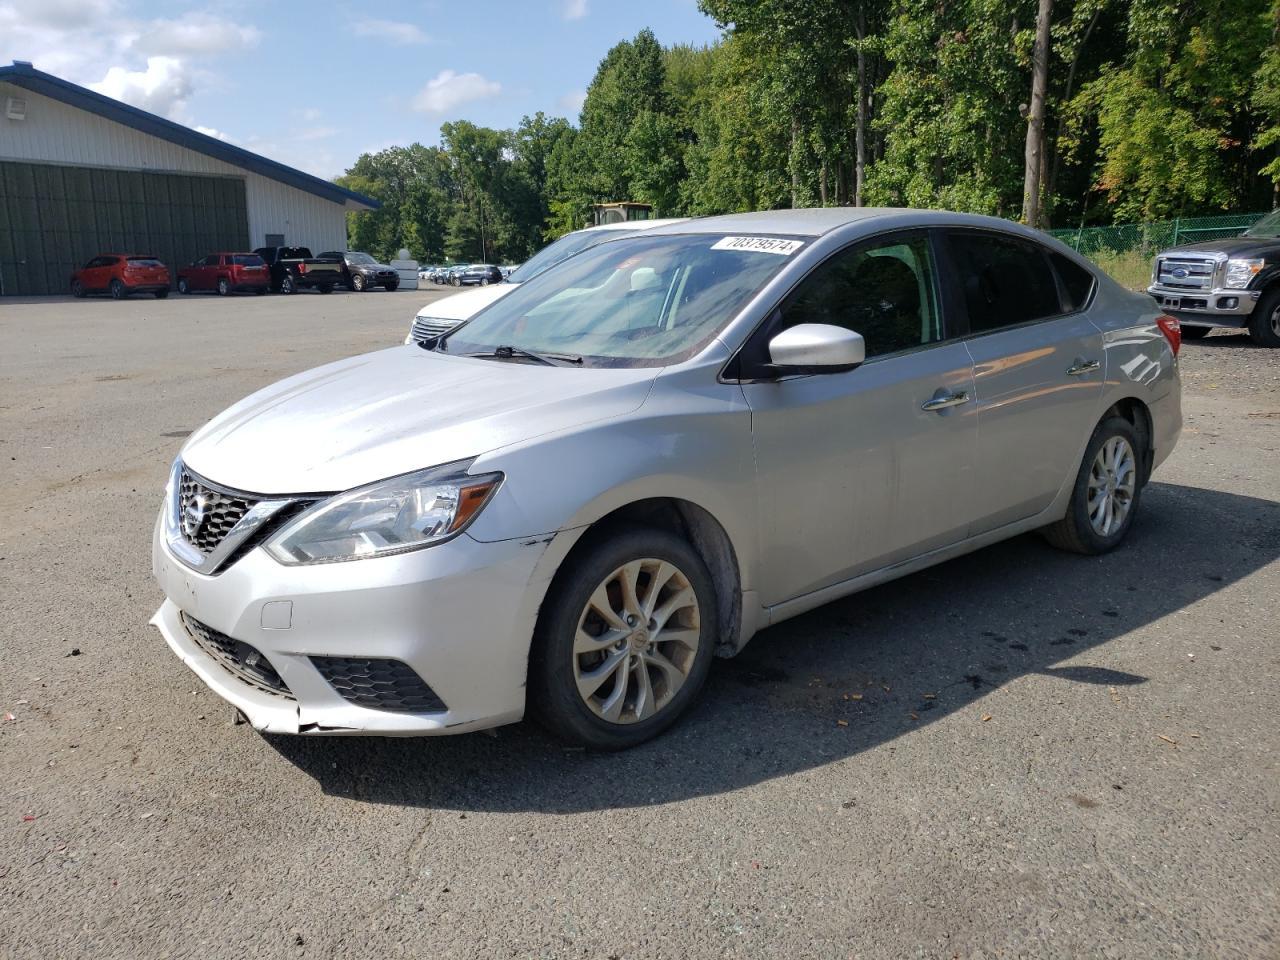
(1275, 320)
(636, 641)
(1112, 482)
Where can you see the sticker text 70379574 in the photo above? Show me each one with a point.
(775, 245)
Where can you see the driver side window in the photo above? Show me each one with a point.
(884, 290)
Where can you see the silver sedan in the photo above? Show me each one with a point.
(634, 462)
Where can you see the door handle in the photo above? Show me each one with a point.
(1081, 367)
(941, 403)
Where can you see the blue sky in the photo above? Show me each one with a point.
(315, 84)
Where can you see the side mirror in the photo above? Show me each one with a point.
(816, 348)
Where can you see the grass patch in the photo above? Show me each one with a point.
(1132, 270)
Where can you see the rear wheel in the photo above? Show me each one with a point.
(1264, 322)
(1105, 497)
(287, 285)
(484, 281)
(1195, 333)
(184, 288)
(118, 291)
(77, 289)
(224, 287)
(625, 640)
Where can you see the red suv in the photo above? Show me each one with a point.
(121, 274)
(225, 272)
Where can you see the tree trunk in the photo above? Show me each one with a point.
(795, 165)
(860, 135)
(1035, 117)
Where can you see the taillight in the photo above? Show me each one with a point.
(1172, 331)
(302, 268)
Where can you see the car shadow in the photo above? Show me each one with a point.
(847, 677)
(1226, 338)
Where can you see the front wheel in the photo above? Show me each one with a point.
(1106, 493)
(118, 291)
(184, 288)
(625, 640)
(357, 283)
(1264, 322)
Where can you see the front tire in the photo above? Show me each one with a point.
(184, 288)
(1107, 490)
(624, 641)
(224, 288)
(357, 283)
(1264, 322)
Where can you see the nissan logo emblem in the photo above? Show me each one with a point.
(194, 514)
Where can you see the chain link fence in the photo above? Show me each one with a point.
(1149, 239)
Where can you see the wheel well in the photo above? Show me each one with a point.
(705, 534)
(1136, 412)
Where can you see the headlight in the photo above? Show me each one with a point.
(392, 516)
(1240, 272)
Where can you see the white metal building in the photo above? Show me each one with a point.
(82, 174)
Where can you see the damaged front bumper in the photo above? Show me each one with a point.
(460, 615)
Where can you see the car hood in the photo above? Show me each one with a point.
(464, 306)
(395, 411)
(1231, 246)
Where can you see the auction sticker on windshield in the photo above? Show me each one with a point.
(783, 248)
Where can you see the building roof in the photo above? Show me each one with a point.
(23, 74)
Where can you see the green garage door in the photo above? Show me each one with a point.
(54, 218)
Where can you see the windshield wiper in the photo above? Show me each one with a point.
(506, 352)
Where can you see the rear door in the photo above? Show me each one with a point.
(1038, 371)
(859, 470)
(97, 273)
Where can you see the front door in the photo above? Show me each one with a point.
(863, 469)
(1038, 369)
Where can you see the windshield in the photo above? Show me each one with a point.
(1268, 226)
(564, 248)
(360, 258)
(643, 301)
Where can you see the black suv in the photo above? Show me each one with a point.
(361, 272)
(478, 274)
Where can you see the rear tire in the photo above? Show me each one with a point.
(118, 291)
(1264, 322)
(1195, 333)
(642, 675)
(1105, 497)
(77, 289)
(287, 286)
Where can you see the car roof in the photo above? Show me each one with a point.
(817, 221)
(635, 224)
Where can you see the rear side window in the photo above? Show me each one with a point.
(295, 253)
(1077, 282)
(247, 260)
(145, 262)
(1003, 281)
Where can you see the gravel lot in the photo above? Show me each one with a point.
(1044, 755)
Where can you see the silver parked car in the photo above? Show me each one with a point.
(647, 454)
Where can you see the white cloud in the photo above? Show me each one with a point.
(196, 34)
(572, 101)
(394, 31)
(573, 9)
(449, 90)
(213, 132)
(163, 87)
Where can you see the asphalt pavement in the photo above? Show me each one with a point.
(1017, 753)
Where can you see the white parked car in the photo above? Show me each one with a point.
(642, 457)
(441, 315)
